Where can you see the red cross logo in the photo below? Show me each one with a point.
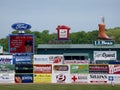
(74, 78)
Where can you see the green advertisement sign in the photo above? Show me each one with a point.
(7, 68)
(79, 69)
(104, 42)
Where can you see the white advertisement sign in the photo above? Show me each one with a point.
(61, 74)
(47, 59)
(79, 78)
(7, 78)
(63, 33)
(6, 59)
(76, 62)
(112, 78)
(105, 55)
(98, 78)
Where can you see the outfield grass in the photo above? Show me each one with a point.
(57, 87)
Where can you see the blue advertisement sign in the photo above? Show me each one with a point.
(23, 78)
(110, 78)
(22, 58)
(21, 26)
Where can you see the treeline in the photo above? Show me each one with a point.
(80, 37)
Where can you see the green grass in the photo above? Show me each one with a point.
(57, 87)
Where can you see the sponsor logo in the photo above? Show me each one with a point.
(5, 61)
(82, 77)
(101, 69)
(110, 78)
(5, 76)
(56, 59)
(21, 26)
(98, 67)
(4, 68)
(105, 55)
(74, 78)
(42, 68)
(60, 78)
(101, 43)
(60, 67)
(116, 69)
(98, 76)
(27, 78)
(40, 59)
(79, 78)
(76, 62)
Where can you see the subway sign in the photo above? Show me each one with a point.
(104, 42)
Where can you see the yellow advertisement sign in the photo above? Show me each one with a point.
(42, 78)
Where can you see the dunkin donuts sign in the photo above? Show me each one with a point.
(105, 55)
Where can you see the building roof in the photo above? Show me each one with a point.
(86, 46)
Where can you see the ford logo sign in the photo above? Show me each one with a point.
(21, 26)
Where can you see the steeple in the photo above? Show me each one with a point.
(102, 19)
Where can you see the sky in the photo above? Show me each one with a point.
(79, 15)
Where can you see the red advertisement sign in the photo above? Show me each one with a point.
(114, 69)
(98, 69)
(63, 32)
(21, 43)
(43, 68)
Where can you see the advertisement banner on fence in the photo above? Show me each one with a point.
(79, 69)
(98, 69)
(7, 77)
(6, 59)
(24, 68)
(114, 69)
(112, 78)
(42, 78)
(7, 68)
(76, 62)
(23, 78)
(98, 78)
(48, 59)
(61, 74)
(79, 78)
(42, 68)
(105, 55)
(22, 58)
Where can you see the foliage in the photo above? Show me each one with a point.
(80, 37)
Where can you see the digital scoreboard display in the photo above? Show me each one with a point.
(21, 43)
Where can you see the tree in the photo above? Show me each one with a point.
(81, 37)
